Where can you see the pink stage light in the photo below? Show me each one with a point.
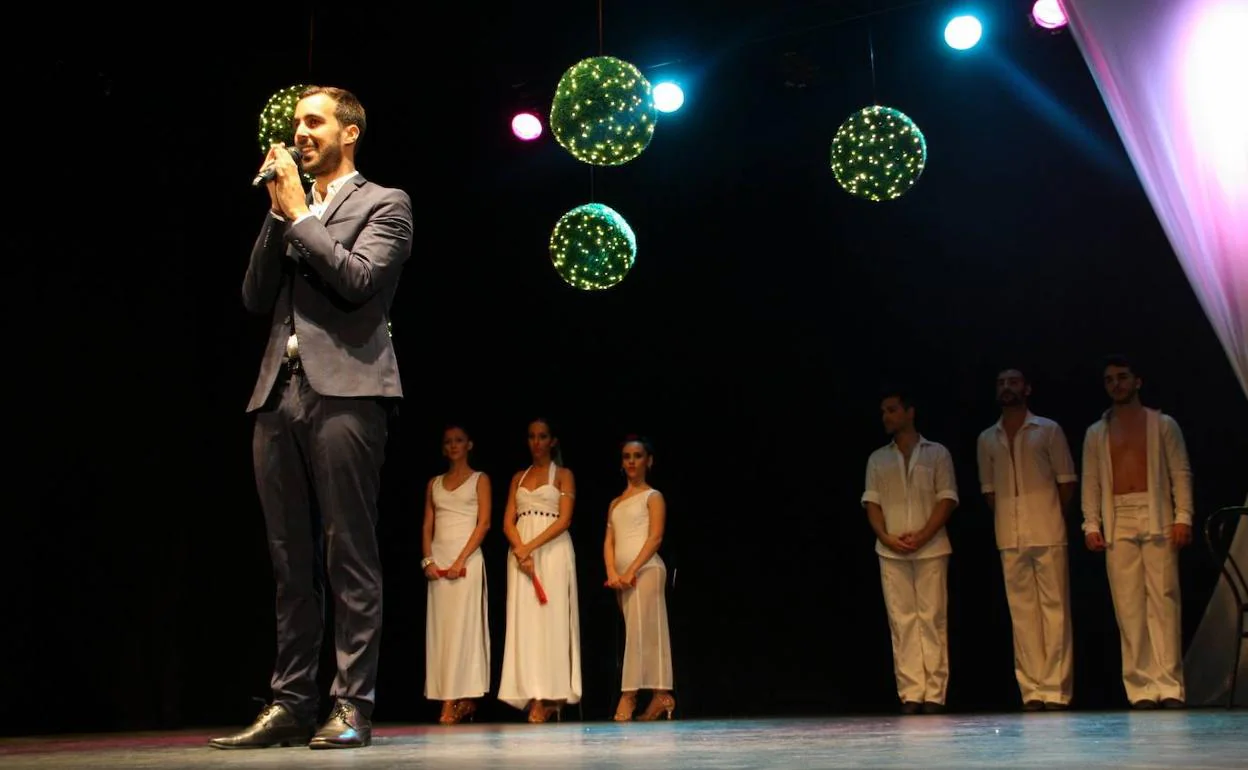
(1048, 14)
(526, 126)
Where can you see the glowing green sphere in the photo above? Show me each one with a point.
(878, 153)
(592, 247)
(603, 113)
(278, 116)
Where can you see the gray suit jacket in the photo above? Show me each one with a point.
(335, 278)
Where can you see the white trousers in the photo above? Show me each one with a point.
(1144, 582)
(1037, 587)
(916, 596)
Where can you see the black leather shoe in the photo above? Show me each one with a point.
(1172, 703)
(275, 726)
(930, 707)
(910, 707)
(1033, 705)
(1055, 706)
(346, 728)
(1144, 704)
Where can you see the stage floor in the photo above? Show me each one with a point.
(1205, 738)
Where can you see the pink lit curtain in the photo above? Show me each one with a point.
(1173, 74)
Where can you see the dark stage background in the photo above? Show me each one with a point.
(766, 309)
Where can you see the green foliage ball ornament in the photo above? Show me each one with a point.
(592, 247)
(603, 112)
(277, 118)
(878, 153)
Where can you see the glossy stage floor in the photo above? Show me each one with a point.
(1198, 738)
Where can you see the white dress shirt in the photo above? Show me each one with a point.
(1024, 482)
(909, 495)
(319, 203)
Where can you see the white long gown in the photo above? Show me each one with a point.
(542, 653)
(647, 643)
(457, 632)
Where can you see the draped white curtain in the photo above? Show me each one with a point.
(1173, 74)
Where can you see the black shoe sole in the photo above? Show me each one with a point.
(323, 745)
(239, 747)
(284, 743)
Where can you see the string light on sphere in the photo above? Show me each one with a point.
(592, 247)
(277, 117)
(603, 112)
(878, 153)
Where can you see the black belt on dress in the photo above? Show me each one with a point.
(536, 513)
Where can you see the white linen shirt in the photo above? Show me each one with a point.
(909, 495)
(1024, 482)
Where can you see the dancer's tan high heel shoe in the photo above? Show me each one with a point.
(464, 709)
(541, 711)
(628, 704)
(448, 713)
(662, 702)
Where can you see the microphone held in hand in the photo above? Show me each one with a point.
(270, 172)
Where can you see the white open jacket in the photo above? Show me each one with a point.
(1169, 476)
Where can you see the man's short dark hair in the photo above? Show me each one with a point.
(1119, 360)
(901, 394)
(347, 108)
(1018, 369)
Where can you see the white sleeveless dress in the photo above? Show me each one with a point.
(457, 632)
(542, 653)
(647, 643)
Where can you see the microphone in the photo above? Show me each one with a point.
(270, 172)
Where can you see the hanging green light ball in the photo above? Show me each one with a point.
(878, 153)
(592, 247)
(277, 118)
(603, 112)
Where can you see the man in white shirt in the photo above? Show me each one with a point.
(1137, 508)
(1028, 476)
(910, 493)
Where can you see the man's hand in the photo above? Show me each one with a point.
(1094, 541)
(897, 544)
(915, 540)
(1181, 535)
(286, 193)
(269, 159)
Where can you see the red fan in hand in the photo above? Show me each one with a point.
(537, 586)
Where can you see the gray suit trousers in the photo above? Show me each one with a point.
(318, 472)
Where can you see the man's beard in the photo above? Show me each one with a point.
(1123, 397)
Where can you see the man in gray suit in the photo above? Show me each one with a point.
(326, 266)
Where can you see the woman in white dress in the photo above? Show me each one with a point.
(457, 634)
(542, 653)
(636, 572)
